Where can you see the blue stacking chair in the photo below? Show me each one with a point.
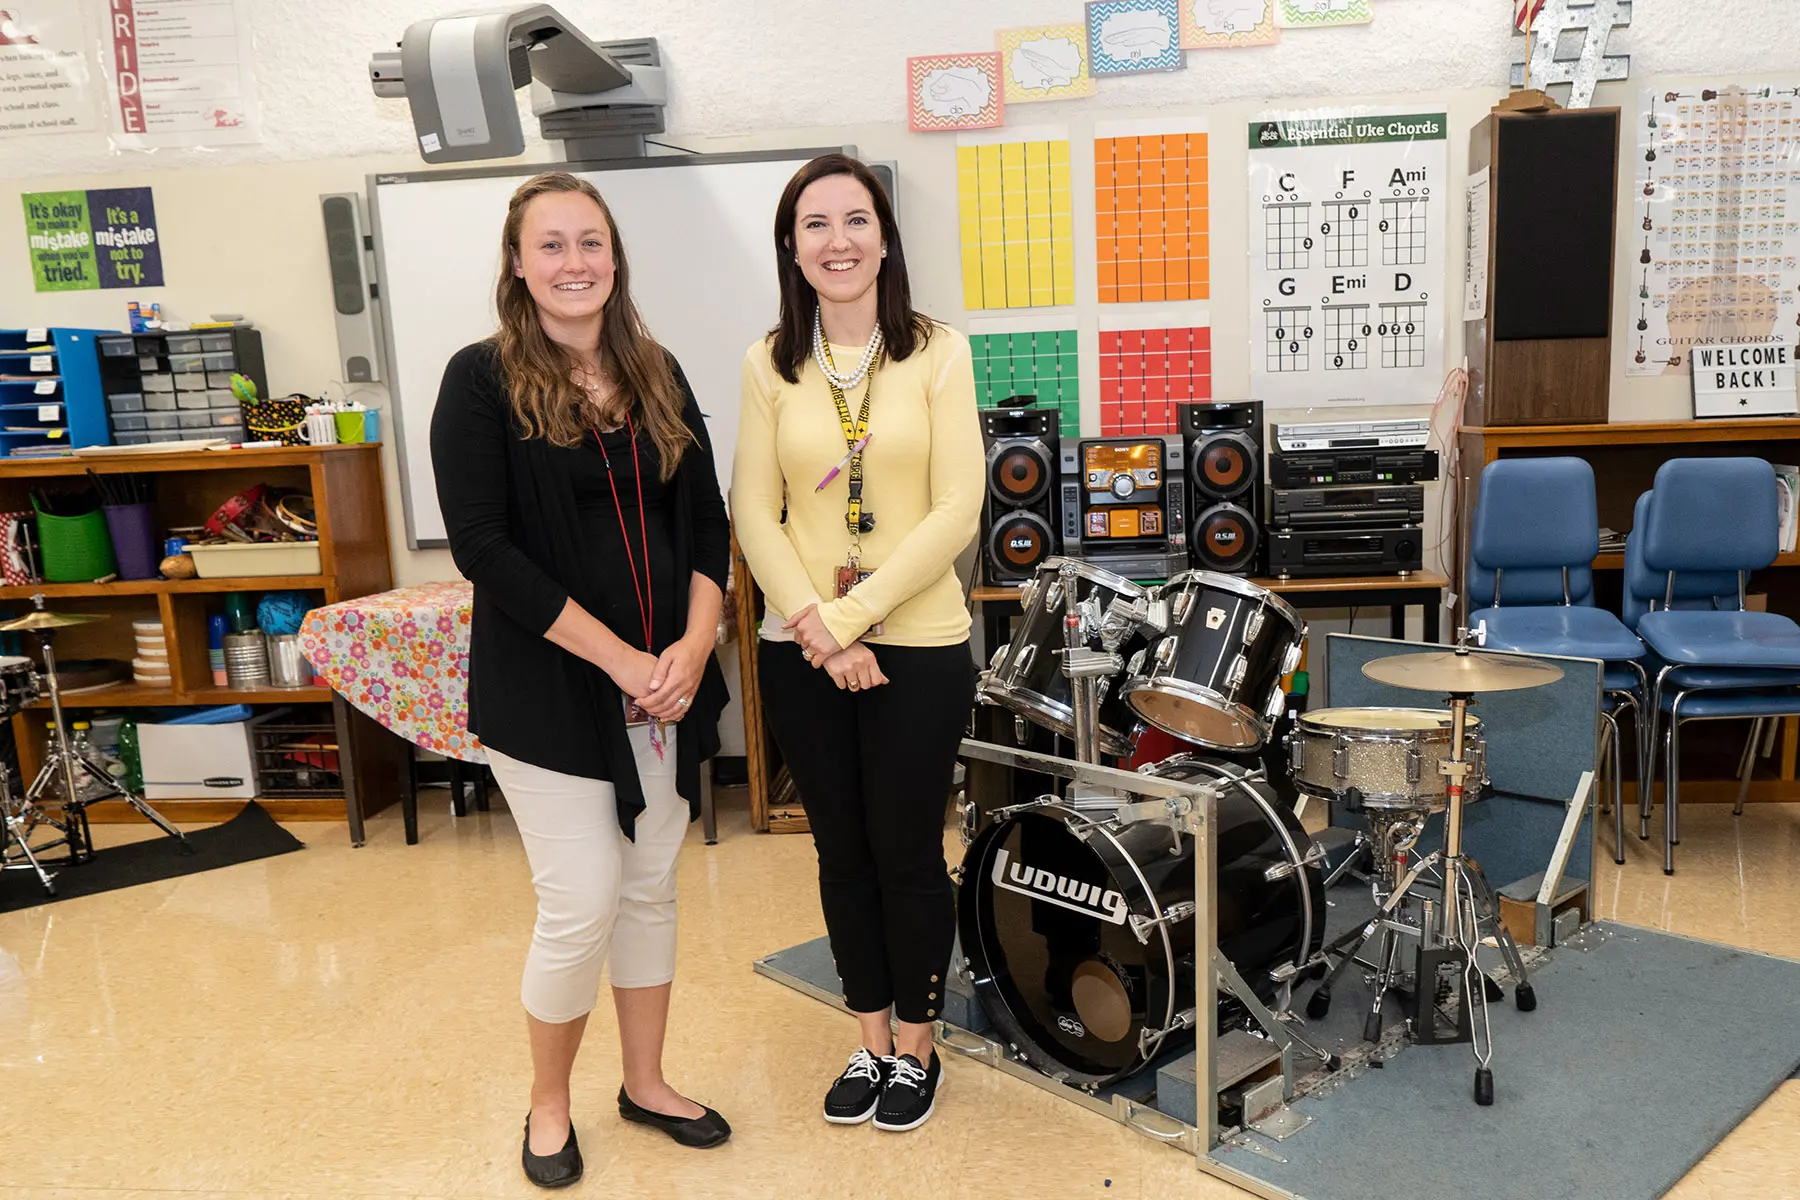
(1703, 527)
(1531, 550)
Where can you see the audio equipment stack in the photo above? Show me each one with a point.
(1347, 498)
(1019, 506)
(1224, 446)
(1124, 504)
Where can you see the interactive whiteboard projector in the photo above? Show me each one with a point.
(459, 73)
(1352, 435)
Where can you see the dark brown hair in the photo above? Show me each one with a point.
(546, 400)
(902, 329)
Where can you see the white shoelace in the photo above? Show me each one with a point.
(913, 1077)
(863, 1066)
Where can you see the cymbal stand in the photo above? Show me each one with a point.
(1085, 669)
(61, 760)
(22, 819)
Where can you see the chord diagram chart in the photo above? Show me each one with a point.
(1287, 235)
(1150, 213)
(1346, 232)
(1402, 333)
(1145, 374)
(1043, 364)
(1347, 333)
(1403, 231)
(1287, 338)
(1017, 223)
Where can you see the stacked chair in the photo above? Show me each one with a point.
(1697, 534)
(1532, 544)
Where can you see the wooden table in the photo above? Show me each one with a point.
(1393, 592)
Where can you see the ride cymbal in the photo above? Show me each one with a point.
(1451, 672)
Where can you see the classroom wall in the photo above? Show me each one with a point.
(240, 226)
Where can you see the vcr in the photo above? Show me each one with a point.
(1346, 507)
(1322, 468)
(1307, 552)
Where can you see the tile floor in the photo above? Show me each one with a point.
(345, 1023)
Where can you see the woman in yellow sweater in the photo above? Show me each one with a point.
(859, 422)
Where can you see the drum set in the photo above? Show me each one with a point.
(51, 815)
(1076, 909)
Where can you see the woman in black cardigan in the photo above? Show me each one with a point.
(576, 480)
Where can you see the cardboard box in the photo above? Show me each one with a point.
(195, 762)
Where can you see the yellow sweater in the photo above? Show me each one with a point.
(922, 480)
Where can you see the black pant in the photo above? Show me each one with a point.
(873, 769)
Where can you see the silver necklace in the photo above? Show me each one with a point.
(822, 356)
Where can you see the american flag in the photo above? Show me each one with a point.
(1525, 12)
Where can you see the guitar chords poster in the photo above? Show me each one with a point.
(1348, 220)
(1716, 258)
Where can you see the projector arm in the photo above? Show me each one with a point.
(459, 74)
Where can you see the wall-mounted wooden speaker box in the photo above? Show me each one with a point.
(1542, 354)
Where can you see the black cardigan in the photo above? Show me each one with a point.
(509, 509)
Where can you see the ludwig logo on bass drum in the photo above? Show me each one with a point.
(1090, 899)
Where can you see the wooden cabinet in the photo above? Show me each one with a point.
(345, 482)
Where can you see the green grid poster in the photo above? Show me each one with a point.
(1044, 365)
(103, 238)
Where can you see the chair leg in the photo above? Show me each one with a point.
(1671, 790)
(481, 786)
(1616, 768)
(457, 807)
(1747, 767)
(709, 818)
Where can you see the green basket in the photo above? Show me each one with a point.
(75, 549)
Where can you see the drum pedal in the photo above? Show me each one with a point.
(1441, 972)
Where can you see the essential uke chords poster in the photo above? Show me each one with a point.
(1348, 221)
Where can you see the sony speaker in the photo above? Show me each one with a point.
(1018, 512)
(347, 251)
(1225, 485)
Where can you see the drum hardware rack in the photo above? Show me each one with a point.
(1192, 808)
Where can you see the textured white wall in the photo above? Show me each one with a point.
(746, 65)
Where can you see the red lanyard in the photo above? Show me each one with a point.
(646, 600)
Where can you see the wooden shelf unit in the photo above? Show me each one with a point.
(1625, 456)
(346, 485)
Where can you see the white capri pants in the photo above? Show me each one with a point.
(602, 900)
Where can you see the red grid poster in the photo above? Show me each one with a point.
(1146, 373)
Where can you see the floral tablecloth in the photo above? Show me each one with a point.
(403, 658)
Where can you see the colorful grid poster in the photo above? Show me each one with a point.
(1146, 373)
(1017, 220)
(1012, 361)
(1150, 211)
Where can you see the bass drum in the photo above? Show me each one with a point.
(1045, 916)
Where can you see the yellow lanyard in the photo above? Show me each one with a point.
(854, 432)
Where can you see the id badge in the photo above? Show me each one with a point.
(635, 716)
(847, 578)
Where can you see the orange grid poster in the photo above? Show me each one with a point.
(1150, 211)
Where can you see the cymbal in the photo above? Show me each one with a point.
(1450, 672)
(37, 621)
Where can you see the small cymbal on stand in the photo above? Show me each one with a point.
(1453, 672)
(38, 621)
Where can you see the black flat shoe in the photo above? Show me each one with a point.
(552, 1170)
(703, 1132)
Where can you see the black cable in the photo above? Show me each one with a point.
(667, 146)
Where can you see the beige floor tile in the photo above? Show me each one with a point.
(339, 1022)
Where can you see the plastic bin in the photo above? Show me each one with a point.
(233, 560)
(211, 342)
(191, 381)
(220, 360)
(76, 549)
(199, 400)
(184, 343)
(117, 347)
(126, 402)
(133, 530)
(187, 362)
(227, 418)
(159, 383)
(162, 420)
(129, 422)
(163, 401)
(220, 380)
(194, 418)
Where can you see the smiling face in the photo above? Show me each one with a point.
(838, 239)
(565, 257)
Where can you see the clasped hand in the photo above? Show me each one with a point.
(664, 685)
(855, 669)
(816, 641)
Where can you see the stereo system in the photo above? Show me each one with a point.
(1123, 504)
(1312, 552)
(1018, 511)
(1345, 498)
(1224, 446)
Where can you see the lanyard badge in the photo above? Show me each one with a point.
(646, 601)
(857, 521)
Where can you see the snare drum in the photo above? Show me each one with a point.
(1026, 675)
(1215, 676)
(18, 684)
(1391, 755)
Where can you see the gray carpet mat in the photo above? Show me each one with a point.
(1645, 1051)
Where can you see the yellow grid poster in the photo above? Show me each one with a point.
(1017, 220)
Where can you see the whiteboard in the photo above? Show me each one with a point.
(697, 233)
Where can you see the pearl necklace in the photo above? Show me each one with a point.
(822, 356)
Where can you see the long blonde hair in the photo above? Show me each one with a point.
(539, 373)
